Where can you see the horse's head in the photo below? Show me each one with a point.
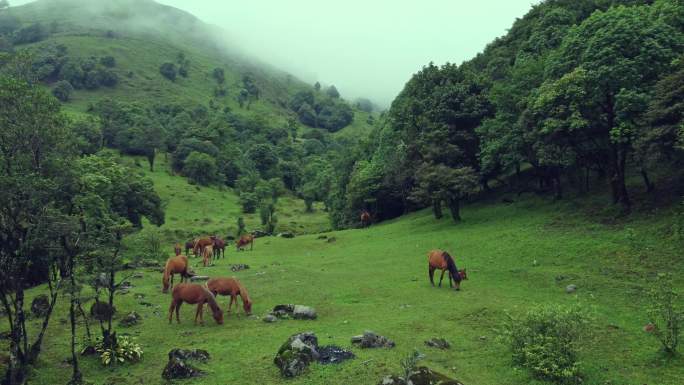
(463, 274)
(218, 316)
(247, 305)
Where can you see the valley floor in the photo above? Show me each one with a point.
(517, 256)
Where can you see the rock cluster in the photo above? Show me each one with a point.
(301, 349)
(371, 340)
(130, 319)
(40, 306)
(294, 311)
(178, 367)
(421, 376)
(439, 343)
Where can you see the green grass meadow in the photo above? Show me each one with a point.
(517, 256)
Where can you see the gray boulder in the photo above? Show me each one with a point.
(295, 355)
(270, 318)
(178, 366)
(371, 340)
(421, 376)
(238, 267)
(571, 289)
(304, 312)
(101, 311)
(196, 278)
(130, 319)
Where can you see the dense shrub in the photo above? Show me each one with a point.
(200, 168)
(30, 34)
(63, 90)
(334, 116)
(168, 70)
(125, 351)
(545, 341)
(219, 75)
(665, 314)
(108, 61)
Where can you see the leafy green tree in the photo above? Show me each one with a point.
(35, 156)
(63, 90)
(317, 86)
(264, 158)
(307, 115)
(88, 135)
(30, 34)
(332, 92)
(219, 75)
(613, 74)
(249, 202)
(441, 184)
(168, 70)
(334, 116)
(200, 168)
(300, 98)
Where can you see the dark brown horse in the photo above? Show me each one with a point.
(365, 218)
(233, 288)
(219, 247)
(193, 293)
(177, 249)
(247, 239)
(439, 259)
(189, 245)
(175, 265)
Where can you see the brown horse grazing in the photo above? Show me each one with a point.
(439, 259)
(233, 288)
(207, 254)
(219, 247)
(177, 249)
(193, 293)
(245, 240)
(365, 218)
(174, 265)
(200, 244)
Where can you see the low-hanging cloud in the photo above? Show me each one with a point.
(365, 48)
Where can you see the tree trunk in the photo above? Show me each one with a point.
(455, 208)
(647, 182)
(618, 184)
(76, 376)
(437, 208)
(150, 160)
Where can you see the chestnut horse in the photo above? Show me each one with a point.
(233, 288)
(365, 218)
(219, 247)
(200, 244)
(177, 249)
(245, 240)
(207, 254)
(175, 265)
(439, 259)
(193, 293)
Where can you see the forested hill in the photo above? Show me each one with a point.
(578, 95)
(150, 79)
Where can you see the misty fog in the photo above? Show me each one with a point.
(365, 48)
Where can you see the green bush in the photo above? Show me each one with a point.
(168, 70)
(63, 90)
(249, 202)
(545, 341)
(125, 351)
(200, 168)
(665, 315)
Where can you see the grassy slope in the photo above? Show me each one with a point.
(376, 279)
(196, 210)
(143, 48)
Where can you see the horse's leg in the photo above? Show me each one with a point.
(198, 313)
(441, 278)
(230, 304)
(431, 274)
(173, 305)
(178, 305)
(450, 284)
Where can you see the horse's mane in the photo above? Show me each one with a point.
(451, 266)
(211, 299)
(165, 277)
(243, 293)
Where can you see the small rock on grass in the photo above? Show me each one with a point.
(439, 343)
(371, 340)
(571, 288)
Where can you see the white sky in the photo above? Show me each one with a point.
(365, 48)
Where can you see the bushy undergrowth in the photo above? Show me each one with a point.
(665, 314)
(545, 341)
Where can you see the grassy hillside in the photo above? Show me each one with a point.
(198, 210)
(141, 35)
(517, 255)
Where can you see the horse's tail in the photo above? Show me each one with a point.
(451, 266)
(165, 277)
